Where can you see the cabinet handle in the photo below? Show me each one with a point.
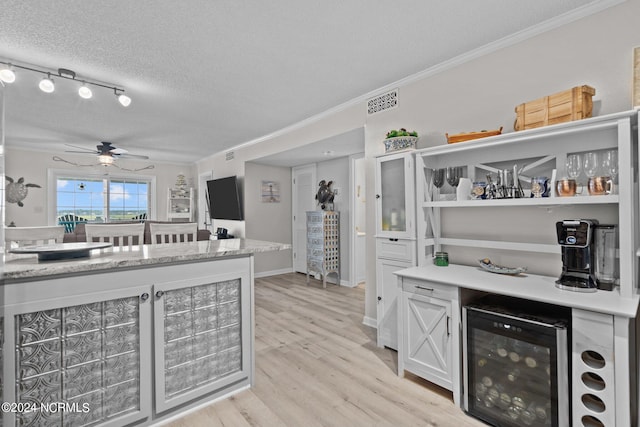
(159, 294)
(144, 297)
(393, 240)
(423, 288)
(377, 196)
(448, 332)
(379, 298)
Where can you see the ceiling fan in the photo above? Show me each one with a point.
(106, 153)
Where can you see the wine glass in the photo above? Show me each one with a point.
(591, 164)
(610, 164)
(453, 175)
(438, 181)
(574, 165)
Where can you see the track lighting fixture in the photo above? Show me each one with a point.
(8, 75)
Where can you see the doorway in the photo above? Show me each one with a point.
(303, 185)
(357, 220)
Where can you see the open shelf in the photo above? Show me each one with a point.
(543, 201)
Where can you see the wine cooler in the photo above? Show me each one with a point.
(516, 369)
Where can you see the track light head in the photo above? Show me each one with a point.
(85, 92)
(7, 75)
(123, 99)
(46, 84)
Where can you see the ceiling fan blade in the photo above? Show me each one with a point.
(118, 151)
(133, 156)
(86, 150)
(93, 153)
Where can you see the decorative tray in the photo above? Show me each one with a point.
(468, 136)
(58, 251)
(486, 264)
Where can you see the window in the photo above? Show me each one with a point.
(101, 198)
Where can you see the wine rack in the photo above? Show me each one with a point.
(323, 244)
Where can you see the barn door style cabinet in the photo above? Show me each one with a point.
(395, 237)
(603, 346)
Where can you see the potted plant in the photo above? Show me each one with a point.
(400, 140)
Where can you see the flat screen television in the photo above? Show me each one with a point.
(224, 198)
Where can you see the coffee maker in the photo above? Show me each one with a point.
(588, 255)
(576, 238)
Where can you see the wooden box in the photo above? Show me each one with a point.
(571, 104)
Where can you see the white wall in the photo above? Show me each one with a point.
(479, 94)
(268, 221)
(33, 166)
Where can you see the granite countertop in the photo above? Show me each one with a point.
(25, 267)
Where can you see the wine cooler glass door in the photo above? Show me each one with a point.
(512, 370)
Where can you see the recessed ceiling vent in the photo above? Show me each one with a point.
(383, 102)
(229, 155)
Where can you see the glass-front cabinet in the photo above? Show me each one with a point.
(202, 336)
(395, 196)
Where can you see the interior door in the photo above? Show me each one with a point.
(304, 190)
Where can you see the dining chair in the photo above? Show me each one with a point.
(117, 234)
(24, 236)
(173, 233)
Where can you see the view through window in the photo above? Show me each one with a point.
(102, 199)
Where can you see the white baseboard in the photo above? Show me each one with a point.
(370, 322)
(273, 272)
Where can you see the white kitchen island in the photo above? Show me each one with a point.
(127, 336)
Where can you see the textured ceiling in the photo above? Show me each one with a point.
(207, 75)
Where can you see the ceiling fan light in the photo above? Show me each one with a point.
(46, 85)
(124, 100)
(7, 75)
(85, 92)
(105, 159)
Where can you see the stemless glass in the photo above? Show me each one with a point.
(574, 165)
(591, 164)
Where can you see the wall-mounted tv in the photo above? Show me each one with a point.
(224, 198)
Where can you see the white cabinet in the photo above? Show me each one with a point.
(395, 196)
(182, 334)
(395, 237)
(523, 230)
(180, 205)
(429, 326)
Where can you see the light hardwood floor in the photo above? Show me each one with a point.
(318, 365)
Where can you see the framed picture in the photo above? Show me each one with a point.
(636, 77)
(270, 192)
